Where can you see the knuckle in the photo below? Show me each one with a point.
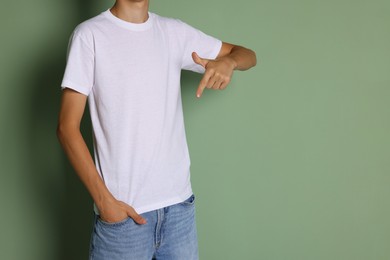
(211, 71)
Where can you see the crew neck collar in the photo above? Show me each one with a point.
(128, 25)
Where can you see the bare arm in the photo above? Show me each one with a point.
(69, 135)
(219, 71)
(241, 57)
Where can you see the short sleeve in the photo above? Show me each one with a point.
(79, 71)
(205, 45)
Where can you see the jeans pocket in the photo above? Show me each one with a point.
(113, 224)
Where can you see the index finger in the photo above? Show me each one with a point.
(202, 85)
(200, 91)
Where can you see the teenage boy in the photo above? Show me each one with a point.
(127, 61)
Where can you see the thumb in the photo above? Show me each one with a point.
(199, 60)
(135, 216)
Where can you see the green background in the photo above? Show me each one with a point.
(290, 162)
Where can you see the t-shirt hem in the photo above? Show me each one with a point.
(216, 50)
(166, 203)
(79, 88)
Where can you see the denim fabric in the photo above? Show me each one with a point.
(170, 234)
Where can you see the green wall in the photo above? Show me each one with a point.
(291, 162)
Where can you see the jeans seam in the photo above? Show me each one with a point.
(158, 237)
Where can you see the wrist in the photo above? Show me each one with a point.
(231, 61)
(103, 200)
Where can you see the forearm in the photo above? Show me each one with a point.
(243, 58)
(80, 158)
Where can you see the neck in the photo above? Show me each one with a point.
(133, 11)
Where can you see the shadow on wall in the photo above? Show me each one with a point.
(66, 202)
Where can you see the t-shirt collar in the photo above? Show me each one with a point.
(128, 25)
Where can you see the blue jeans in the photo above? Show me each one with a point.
(170, 234)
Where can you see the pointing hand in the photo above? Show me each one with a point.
(217, 75)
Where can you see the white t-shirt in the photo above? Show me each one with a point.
(131, 75)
